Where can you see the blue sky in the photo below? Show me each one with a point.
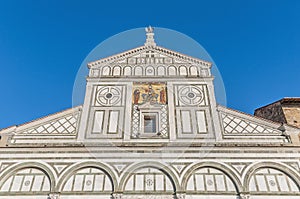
(255, 43)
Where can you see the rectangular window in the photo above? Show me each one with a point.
(150, 124)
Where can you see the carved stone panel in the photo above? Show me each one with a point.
(191, 95)
(109, 95)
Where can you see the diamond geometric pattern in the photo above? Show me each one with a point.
(63, 125)
(164, 121)
(135, 121)
(235, 125)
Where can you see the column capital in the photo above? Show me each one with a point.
(54, 195)
(116, 196)
(244, 196)
(180, 196)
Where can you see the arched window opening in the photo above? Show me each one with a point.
(210, 181)
(88, 180)
(268, 180)
(28, 180)
(149, 180)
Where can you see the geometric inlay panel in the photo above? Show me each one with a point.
(295, 165)
(64, 125)
(190, 95)
(109, 95)
(235, 125)
(239, 166)
(60, 167)
(135, 121)
(162, 123)
(179, 167)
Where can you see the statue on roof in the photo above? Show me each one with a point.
(150, 36)
(149, 29)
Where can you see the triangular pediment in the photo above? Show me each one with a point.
(149, 55)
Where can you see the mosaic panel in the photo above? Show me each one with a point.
(153, 93)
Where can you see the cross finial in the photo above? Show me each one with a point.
(150, 36)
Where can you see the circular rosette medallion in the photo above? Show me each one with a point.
(109, 96)
(190, 95)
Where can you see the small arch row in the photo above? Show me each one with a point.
(162, 71)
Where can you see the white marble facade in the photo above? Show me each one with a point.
(150, 128)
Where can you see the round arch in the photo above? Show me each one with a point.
(183, 70)
(223, 168)
(156, 165)
(172, 70)
(106, 71)
(46, 169)
(117, 71)
(78, 166)
(272, 165)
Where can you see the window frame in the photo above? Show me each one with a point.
(150, 114)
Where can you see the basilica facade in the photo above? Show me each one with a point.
(150, 127)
